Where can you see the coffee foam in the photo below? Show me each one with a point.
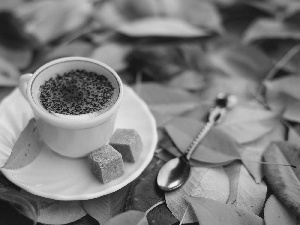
(64, 67)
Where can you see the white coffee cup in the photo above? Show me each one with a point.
(72, 136)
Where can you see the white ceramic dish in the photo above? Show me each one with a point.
(53, 176)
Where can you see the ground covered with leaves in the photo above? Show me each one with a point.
(178, 55)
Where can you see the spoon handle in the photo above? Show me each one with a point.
(215, 115)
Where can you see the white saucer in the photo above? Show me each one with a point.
(56, 177)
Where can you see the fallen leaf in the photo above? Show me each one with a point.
(167, 144)
(241, 61)
(282, 95)
(9, 4)
(167, 100)
(12, 32)
(115, 13)
(200, 113)
(113, 54)
(239, 16)
(210, 183)
(266, 29)
(161, 27)
(76, 48)
(104, 208)
(47, 19)
(291, 13)
(247, 123)
(196, 12)
(252, 152)
(212, 212)
(161, 61)
(270, 7)
(144, 194)
(291, 153)
(283, 180)
(130, 217)
(277, 213)
(56, 212)
(239, 86)
(160, 118)
(188, 80)
(245, 193)
(22, 203)
(26, 148)
(217, 147)
(278, 50)
(9, 75)
(20, 58)
(293, 137)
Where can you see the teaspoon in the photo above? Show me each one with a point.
(176, 171)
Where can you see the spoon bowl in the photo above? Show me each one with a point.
(174, 173)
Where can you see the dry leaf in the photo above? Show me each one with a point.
(48, 19)
(144, 194)
(167, 144)
(201, 112)
(76, 48)
(283, 94)
(24, 204)
(247, 123)
(12, 33)
(210, 183)
(167, 100)
(252, 152)
(217, 147)
(56, 212)
(189, 80)
(292, 13)
(164, 61)
(130, 217)
(244, 192)
(241, 61)
(115, 13)
(26, 148)
(9, 75)
(212, 212)
(16, 46)
(283, 179)
(161, 27)
(104, 208)
(277, 213)
(270, 7)
(238, 86)
(113, 54)
(266, 29)
(293, 137)
(160, 118)
(9, 4)
(197, 13)
(20, 58)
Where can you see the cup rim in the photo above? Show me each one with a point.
(71, 123)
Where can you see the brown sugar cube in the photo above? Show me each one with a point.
(106, 163)
(128, 142)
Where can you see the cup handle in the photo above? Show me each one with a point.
(23, 82)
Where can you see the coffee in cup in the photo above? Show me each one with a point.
(75, 102)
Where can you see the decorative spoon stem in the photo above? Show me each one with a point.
(215, 115)
(176, 171)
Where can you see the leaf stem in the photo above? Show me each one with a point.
(269, 163)
(18, 200)
(184, 215)
(280, 63)
(155, 205)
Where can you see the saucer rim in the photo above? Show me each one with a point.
(9, 174)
